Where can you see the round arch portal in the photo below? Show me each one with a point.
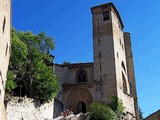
(78, 100)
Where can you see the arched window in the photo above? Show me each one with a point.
(123, 66)
(124, 83)
(81, 75)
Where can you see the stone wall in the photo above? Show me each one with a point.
(67, 74)
(28, 109)
(5, 21)
(72, 73)
(123, 86)
(154, 116)
(130, 67)
(71, 91)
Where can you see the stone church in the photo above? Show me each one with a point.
(110, 74)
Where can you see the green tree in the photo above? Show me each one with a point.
(29, 65)
(66, 63)
(100, 111)
(10, 85)
(117, 106)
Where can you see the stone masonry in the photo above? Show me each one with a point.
(5, 30)
(28, 109)
(154, 116)
(110, 74)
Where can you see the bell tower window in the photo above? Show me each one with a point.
(105, 15)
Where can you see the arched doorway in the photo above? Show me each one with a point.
(78, 100)
(81, 107)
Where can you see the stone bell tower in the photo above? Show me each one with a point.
(111, 70)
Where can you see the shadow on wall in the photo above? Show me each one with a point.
(58, 108)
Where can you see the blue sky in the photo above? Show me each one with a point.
(69, 23)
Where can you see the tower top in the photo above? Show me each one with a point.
(111, 6)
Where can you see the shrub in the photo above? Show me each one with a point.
(117, 106)
(100, 111)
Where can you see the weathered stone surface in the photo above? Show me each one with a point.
(80, 116)
(28, 109)
(5, 16)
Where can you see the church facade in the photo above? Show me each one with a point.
(110, 74)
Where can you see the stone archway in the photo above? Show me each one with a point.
(78, 100)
